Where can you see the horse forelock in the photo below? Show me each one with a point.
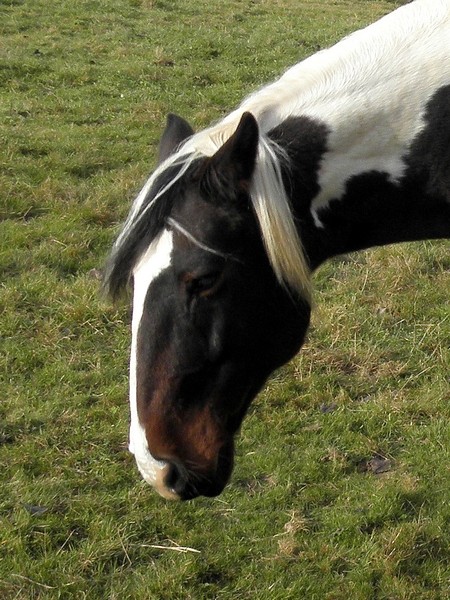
(145, 221)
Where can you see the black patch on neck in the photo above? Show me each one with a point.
(305, 140)
(429, 157)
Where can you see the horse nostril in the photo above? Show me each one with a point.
(175, 480)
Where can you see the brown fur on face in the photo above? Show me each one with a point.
(195, 439)
(188, 436)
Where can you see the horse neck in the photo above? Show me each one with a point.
(407, 198)
(373, 213)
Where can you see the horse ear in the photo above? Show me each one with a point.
(236, 159)
(177, 130)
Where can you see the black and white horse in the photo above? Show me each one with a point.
(349, 149)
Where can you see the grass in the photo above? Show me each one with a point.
(342, 478)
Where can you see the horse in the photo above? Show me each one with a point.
(349, 149)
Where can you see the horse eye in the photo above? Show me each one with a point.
(207, 281)
(203, 285)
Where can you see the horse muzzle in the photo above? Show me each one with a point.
(173, 480)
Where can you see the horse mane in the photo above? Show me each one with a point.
(153, 205)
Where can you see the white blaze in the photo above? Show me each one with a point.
(156, 258)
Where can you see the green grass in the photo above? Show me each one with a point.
(85, 88)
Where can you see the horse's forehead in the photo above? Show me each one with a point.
(201, 207)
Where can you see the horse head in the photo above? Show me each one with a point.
(210, 322)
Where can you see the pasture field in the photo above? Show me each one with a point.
(342, 485)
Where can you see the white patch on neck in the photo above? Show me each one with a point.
(156, 258)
